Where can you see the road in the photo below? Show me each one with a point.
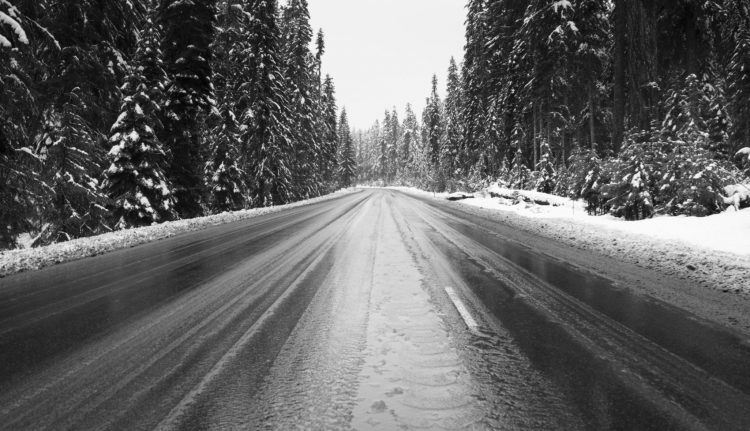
(374, 310)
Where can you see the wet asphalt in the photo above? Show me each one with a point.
(236, 326)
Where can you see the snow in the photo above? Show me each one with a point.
(13, 261)
(713, 250)
(15, 26)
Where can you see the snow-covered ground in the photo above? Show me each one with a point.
(714, 250)
(13, 261)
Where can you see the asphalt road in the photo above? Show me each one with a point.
(374, 310)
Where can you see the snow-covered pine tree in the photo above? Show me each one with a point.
(739, 86)
(188, 33)
(631, 193)
(452, 152)
(329, 144)
(584, 178)
(135, 181)
(264, 118)
(546, 168)
(383, 159)
(298, 66)
(223, 176)
(347, 156)
(589, 45)
(18, 164)
(149, 63)
(394, 136)
(518, 177)
(409, 144)
(476, 88)
(692, 182)
(70, 153)
(433, 125)
(697, 107)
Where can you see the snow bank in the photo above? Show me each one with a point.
(13, 261)
(713, 250)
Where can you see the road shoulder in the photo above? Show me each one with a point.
(662, 274)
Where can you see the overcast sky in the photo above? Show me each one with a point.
(383, 53)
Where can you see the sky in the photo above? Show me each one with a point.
(383, 53)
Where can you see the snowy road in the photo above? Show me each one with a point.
(341, 315)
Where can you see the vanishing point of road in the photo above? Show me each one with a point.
(373, 310)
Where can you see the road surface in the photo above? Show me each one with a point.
(374, 310)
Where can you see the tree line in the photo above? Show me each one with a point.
(637, 106)
(124, 113)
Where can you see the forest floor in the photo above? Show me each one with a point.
(25, 259)
(712, 252)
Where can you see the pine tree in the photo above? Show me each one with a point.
(297, 67)
(739, 86)
(433, 125)
(409, 144)
(691, 181)
(188, 33)
(453, 155)
(519, 175)
(329, 159)
(18, 164)
(546, 168)
(224, 178)
(476, 76)
(71, 154)
(393, 144)
(631, 192)
(694, 106)
(264, 118)
(135, 180)
(584, 178)
(347, 166)
(384, 166)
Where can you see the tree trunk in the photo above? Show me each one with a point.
(618, 110)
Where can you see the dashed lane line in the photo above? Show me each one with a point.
(462, 310)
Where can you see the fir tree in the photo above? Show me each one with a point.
(393, 143)
(71, 154)
(264, 112)
(546, 168)
(691, 181)
(347, 167)
(188, 33)
(409, 143)
(453, 155)
(135, 180)
(631, 193)
(433, 125)
(518, 177)
(18, 164)
(224, 178)
(739, 86)
(297, 67)
(329, 158)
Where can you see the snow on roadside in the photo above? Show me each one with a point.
(713, 250)
(13, 261)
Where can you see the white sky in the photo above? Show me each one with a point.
(383, 53)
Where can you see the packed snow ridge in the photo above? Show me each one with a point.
(13, 261)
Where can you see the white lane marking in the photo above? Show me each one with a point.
(462, 310)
